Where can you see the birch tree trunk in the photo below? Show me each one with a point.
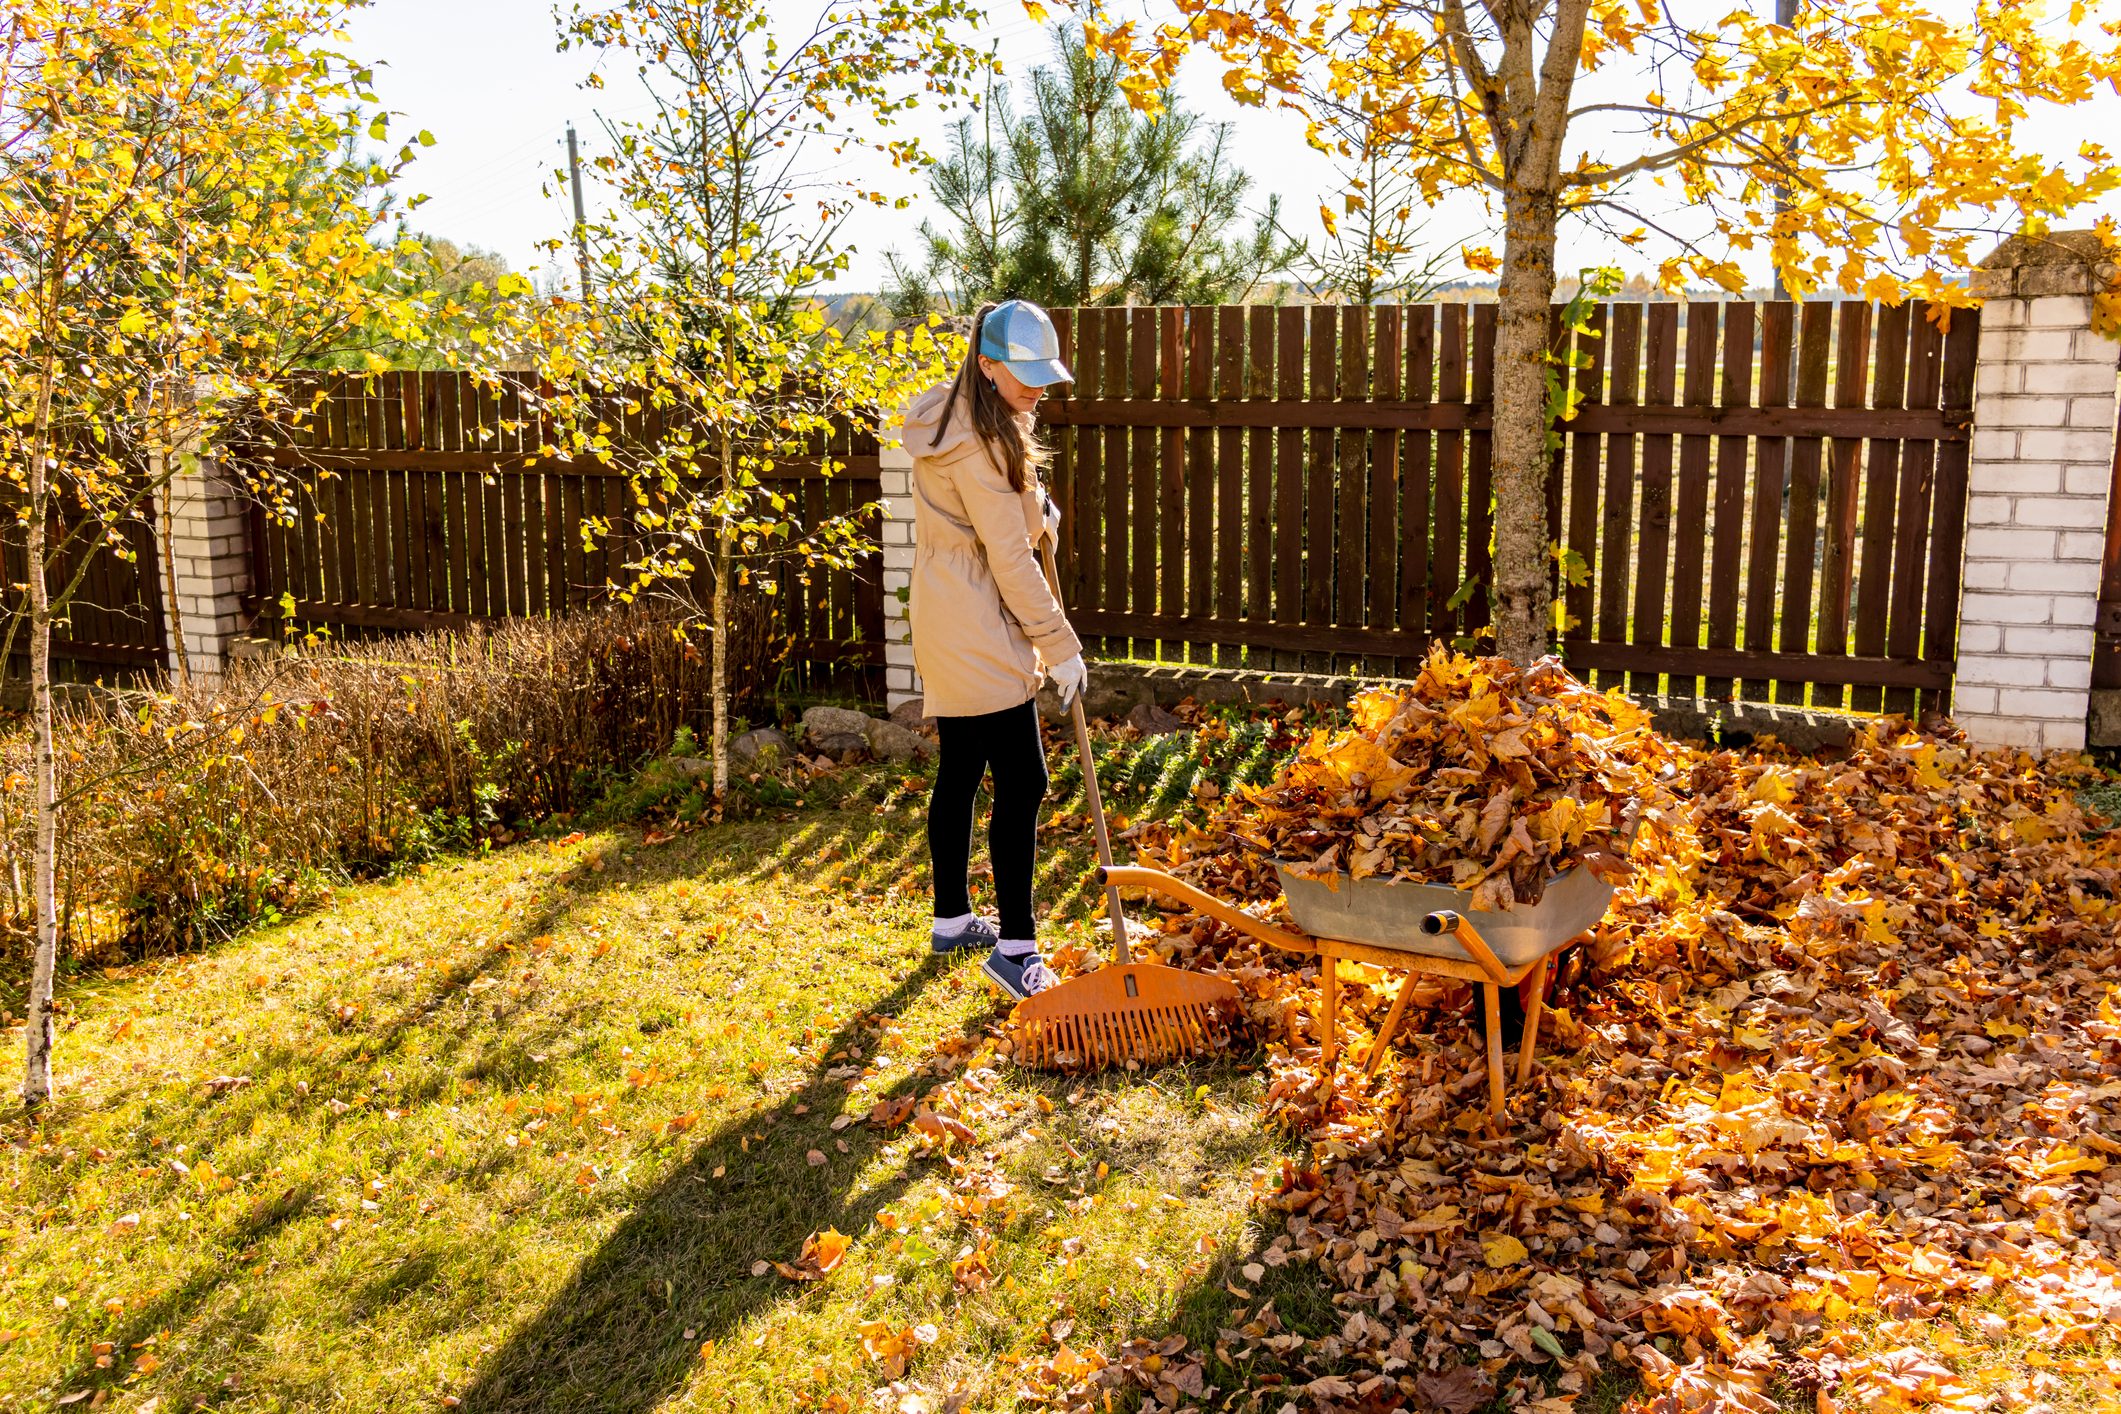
(37, 1062)
(724, 564)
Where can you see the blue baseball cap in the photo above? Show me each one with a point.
(1019, 336)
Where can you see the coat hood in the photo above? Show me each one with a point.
(925, 413)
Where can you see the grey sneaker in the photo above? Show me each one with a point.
(1020, 977)
(979, 933)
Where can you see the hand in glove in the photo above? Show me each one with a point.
(1068, 678)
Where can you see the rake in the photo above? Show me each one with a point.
(1127, 1011)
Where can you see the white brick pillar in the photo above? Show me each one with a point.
(2042, 455)
(207, 542)
(895, 468)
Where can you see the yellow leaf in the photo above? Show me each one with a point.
(1503, 1250)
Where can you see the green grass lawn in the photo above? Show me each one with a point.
(514, 1132)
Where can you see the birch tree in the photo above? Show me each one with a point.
(726, 207)
(1872, 149)
(181, 221)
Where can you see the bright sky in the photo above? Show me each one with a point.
(485, 77)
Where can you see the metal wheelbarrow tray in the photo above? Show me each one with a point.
(1412, 928)
(1385, 914)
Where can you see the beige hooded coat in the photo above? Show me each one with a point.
(985, 622)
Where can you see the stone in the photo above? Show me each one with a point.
(888, 741)
(912, 714)
(692, 768)
(752, 745)
(836, 744)
(2103, 727)
(1152, 720)
(833, 721)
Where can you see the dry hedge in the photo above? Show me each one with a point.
(191, 812)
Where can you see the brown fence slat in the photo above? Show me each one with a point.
(1259, 468)
(1062, 469)
(1118, 369)
(1580, 534)
(1144, 456)
(1560, 340)
(1318, 494)
(399, 432)
(1814, 355)
(1777, 330)
(342, 545)
(1690, 512)
(1947, 539)
(1873, 574)
(1351, 475)
(1615, 520)
(1653, 558)
(1200, 458)
(1844, 464)
(575, 567)
(1727, 542)
(1290, 475)
(1414, 491)
(1380, 584)
(1088, 510)
(1480, 472)
(1171, 499)
(1918, 463)
(1447, 564)
(1229, 473)
(418, 527)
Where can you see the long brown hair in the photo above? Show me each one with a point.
(1000, 426)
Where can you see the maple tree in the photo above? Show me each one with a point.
(184, 217)
(1870, 150)
(723, 216)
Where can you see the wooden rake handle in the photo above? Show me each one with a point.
(1123, 953)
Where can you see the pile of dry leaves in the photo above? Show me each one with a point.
(1475, 776)
(1847, 1056)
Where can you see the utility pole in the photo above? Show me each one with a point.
(581, 222)
(1786, 16)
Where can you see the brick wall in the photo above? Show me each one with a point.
(2042, 456)
(209, 551)
(895, 467)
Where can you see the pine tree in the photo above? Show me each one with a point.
(1080, 199)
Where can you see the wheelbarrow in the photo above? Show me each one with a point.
(1410, 927)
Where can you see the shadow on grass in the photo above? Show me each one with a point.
(614, 1339)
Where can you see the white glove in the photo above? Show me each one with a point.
(1052, 517)
(1068, 679)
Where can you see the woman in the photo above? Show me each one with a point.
(987, 628)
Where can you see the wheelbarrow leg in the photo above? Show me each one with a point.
(1329, 1024)
(1533, 1010)
(1385, 1032)
(1491, 999)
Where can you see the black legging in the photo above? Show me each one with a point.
(1006, 742)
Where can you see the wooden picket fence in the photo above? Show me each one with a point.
(1760, 499)
(114, 624)
(1766, 498)
(422, 503)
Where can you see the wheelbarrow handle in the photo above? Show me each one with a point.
(1134, 876)
(1445, 922)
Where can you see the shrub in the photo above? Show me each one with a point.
(193, 812)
